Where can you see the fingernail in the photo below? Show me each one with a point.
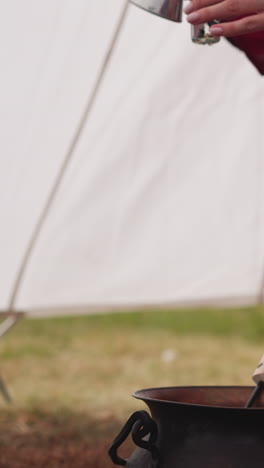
(188, 8)
(193, 18)
(216, 31)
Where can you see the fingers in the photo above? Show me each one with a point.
(202, 11)
(198, 4)
(247, 25)
(219, 11)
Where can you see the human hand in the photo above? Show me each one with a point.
(239, 16)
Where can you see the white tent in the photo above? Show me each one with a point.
(161, 199)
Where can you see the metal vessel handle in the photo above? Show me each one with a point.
(140, 424)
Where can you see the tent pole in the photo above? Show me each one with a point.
(8, 323)
(261, 294)
(4, 391)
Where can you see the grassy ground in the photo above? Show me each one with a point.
(71, 378)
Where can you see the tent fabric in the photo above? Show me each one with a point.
(163, 201)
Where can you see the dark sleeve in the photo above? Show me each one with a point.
(253, 46)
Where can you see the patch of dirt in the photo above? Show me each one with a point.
(57, 440)
(61, 453)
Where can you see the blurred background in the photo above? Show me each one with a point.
(132, 221)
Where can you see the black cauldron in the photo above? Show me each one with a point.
(195, 427)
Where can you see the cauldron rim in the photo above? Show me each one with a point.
(140, 395)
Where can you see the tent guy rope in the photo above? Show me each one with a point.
(14, 316)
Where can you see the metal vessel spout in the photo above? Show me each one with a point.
(169, 9)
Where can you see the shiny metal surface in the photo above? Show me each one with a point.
(169, 9)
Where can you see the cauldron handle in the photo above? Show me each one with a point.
(140, 424)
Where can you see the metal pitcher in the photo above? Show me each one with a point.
(169, 9)
(172, 10)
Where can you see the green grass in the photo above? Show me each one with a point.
(247, 323)
(92, 364)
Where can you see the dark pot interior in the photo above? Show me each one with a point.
(228, 397)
